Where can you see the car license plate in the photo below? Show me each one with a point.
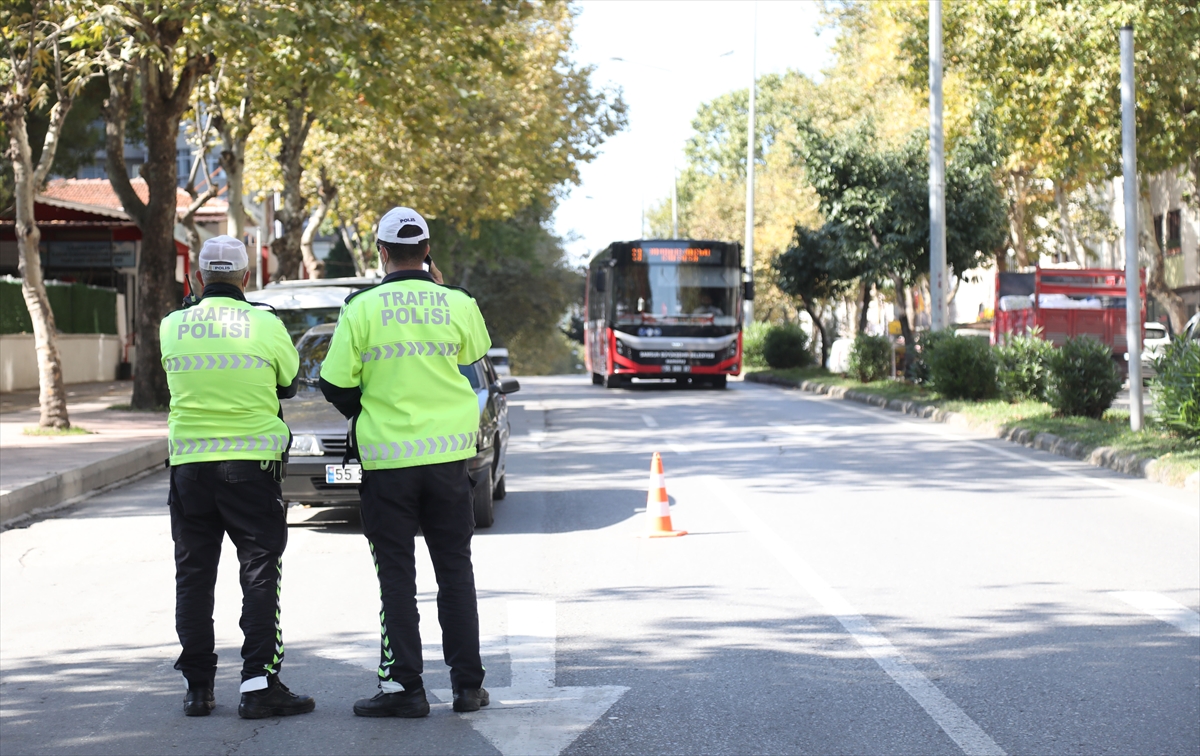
(348, 474)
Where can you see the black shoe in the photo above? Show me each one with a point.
(410, 704)
(471, 699)
(275, 700)
(199, 700)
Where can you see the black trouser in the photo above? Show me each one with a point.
(437, 498)
(208, 500)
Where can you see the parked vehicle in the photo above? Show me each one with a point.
(499, 358)
(318, 473)
(1064, 303)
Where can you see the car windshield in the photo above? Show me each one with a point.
(315, 346)
(1155, 332)
(298, 322)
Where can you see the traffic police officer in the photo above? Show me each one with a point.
(228, 364)
(392, 369)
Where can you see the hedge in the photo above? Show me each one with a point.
(78, 308)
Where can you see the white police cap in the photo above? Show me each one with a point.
(223, 253)
(394, 221)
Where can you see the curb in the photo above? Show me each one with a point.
(58, 488)
(1128, 463)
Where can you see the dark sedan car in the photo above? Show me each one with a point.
(316, 474)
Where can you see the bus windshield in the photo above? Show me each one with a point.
(675, 294)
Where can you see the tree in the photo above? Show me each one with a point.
(37, 40)
(163, 48)
(813, 271)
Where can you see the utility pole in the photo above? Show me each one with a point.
(749, 304)
(1133, 278)
(937, 174)
(674, 205)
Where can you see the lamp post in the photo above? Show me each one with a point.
(1133, 305)
(937, 174)
(749, 304)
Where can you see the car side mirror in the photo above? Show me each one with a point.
(507, 386)
(748, 291)
(601, 280)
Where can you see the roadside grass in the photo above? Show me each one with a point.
(1178, 457)
(37, 430)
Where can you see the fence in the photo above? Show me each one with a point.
(78, 308)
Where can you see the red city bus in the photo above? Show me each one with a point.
(665, 309)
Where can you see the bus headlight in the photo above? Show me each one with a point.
(623, 349)
(305, 446)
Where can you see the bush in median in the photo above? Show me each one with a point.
(1083, 379)
(870, 358)
(1177, 387)
(1021, 368)
(752, 344)
(786, 347)
(961, 367)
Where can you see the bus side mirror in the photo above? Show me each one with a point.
(748, 291)
(600, 280)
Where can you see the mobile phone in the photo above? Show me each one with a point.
(427, 262)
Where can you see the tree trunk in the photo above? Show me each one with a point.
(1016, 218)
(52, 396)
(355, 250)
(1156, 276)
(812, 314)
(905, 317)
(291, 215)
(864, 304)
(326, 196)
(1064, 224)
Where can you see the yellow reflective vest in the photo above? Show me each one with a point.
(401, 343)
(224, 359)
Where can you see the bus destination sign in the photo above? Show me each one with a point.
(676, 255)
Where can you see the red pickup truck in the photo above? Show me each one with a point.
(1064, 303)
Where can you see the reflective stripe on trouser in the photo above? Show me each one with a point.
(418, 447)
(386, 657)
(214, 362)
(273, 667)
(411, 348)
(184, 446)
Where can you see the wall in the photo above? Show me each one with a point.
(87, 358)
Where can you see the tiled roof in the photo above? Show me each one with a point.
(99, 193)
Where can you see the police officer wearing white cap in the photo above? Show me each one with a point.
(228, 365)
(414, 424)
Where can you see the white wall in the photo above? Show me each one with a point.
(87, 358)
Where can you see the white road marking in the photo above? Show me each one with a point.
(961, 728)
(677, 448)
(1162, 608)
(925, 426)
(649, 421)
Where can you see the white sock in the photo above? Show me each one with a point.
(253, 684)
(390, 686)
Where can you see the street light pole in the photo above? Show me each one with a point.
(749, 304)
(937, 173)
(1133, 305)
(674, 205)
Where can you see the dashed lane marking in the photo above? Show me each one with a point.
(1162, 608)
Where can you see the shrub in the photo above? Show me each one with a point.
(1021, 368)
(870, 358)
(1083, 379)
(1177, 387)
(961, 367)
(918, 368)
(752, 344)
(786, 347)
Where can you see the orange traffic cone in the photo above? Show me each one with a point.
(658, 508)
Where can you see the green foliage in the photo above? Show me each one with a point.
(870, 358)
(786, 347)
(753, 336)
(961, 367)
(918, 367)
(78, 308)
(1177, 387)
(1083, 378)
(1021, 368)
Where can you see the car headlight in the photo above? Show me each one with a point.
(305, 446)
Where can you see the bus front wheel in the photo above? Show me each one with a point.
(614, 381)
(597, 379)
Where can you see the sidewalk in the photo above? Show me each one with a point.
(44, 471)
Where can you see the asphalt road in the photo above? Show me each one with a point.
(853, 581)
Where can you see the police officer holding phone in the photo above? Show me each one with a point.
(392, 369)
(228, 364)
